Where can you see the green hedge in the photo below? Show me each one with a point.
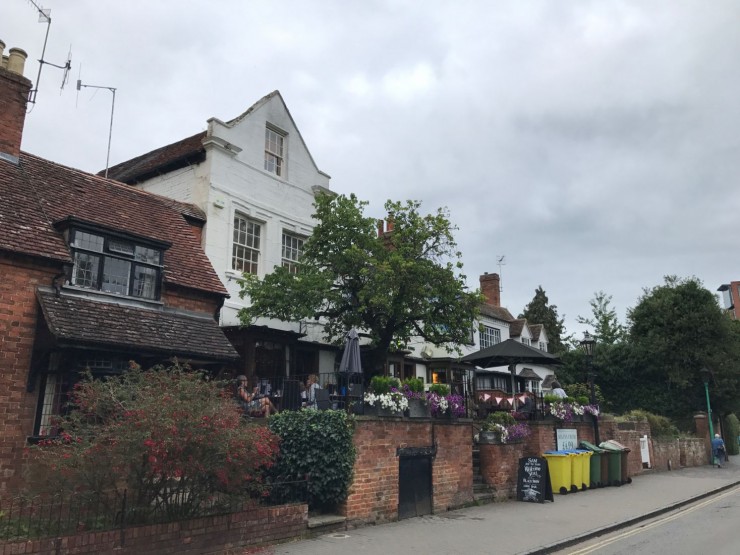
(318, 445)
(660, 426)
(732, 430)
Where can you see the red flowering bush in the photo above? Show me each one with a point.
(168, 436)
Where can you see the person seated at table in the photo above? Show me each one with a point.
(252, 402)
(312, 384)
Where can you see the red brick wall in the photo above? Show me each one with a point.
(194, 301)
(373, 496)
(18, 315)
(215, 534)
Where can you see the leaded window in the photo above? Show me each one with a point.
(489, 336)
(115, 265)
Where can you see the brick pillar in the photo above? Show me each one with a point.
(701, 424)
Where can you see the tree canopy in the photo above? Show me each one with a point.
(538, 311)
(395, 285)
(603, 320)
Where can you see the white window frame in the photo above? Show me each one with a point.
(240, 247)
(526, 341)
(489, 336)
(543, 346)
(275, 151)
(291, 253)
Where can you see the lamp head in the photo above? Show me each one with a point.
(706, 375)
(587, 344)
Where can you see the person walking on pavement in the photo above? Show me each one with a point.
(718, 450)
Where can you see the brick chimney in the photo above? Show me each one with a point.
(14, 89)
(490, 287)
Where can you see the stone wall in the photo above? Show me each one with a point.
(373, 496)
(215, 534)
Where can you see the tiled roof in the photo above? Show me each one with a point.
(535, 330)
(516, 327)
(547, 383)
(498, 312)
(529, 374)
(37, 193)
(77, 320)
(167, 158)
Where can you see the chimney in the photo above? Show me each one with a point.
(14, 89)
(490, 287)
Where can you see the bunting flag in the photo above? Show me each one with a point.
(511, 400)
(498, 399)
(486, 396)
(522, 398)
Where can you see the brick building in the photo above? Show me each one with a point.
(94, 274)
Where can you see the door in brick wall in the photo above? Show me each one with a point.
(414, 486)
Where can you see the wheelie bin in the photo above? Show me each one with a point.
(624, 452)
(560, 464)
(614, 454)
(598, 470)
(583, 457)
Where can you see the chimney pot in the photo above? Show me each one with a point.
(16, 60)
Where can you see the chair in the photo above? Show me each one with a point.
(322, 399)
(356, 398)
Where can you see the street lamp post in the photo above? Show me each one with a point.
(587, 345)
(706, 375)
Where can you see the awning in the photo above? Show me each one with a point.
(76, 320)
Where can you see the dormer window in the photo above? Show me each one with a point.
(274, 143)
(115, 265)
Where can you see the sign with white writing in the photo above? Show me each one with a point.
(533, 481)
(567, 439)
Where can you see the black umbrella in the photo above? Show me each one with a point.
(350, 365)
(510, 353)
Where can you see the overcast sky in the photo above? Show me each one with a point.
(594, 144)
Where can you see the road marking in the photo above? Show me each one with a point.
(679, 514)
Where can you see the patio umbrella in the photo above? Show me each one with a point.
(510, 353)
(350, 366)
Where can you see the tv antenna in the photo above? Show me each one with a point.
(80, 84)
(45, 17)
(500, 260)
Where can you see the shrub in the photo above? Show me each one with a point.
(578, 390)
(732, 430)
(415, 385)
(440, 389)
(173, 440)
(550, 398)
(316, 445)
(499, 417)
(383, 384)
(660, 426)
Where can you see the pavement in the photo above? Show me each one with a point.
(514, 527)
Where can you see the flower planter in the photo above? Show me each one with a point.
(388, 412)
(418, 408)
(489, 438)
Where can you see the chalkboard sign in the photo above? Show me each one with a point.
(533, 481)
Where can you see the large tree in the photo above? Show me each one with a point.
(539, 311)
(393, 286)
(675, 330)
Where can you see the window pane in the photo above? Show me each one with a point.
(85, 271)
(145, 282)
(116, 274)
(52, 403)
(150, 256)
(120, 247)
(273, 151)
(88, 241)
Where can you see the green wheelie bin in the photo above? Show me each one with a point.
(614, 454)
(560, 464)
(598, 463)
(624, 452)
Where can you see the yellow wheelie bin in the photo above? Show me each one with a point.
(583, 457)
(560, 464)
